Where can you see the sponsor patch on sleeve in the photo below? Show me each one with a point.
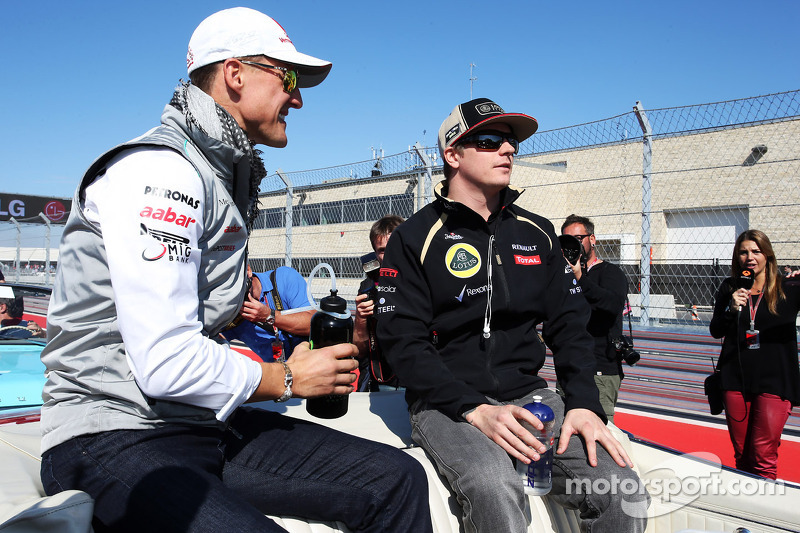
(164, 245)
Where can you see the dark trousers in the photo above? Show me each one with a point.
(755, 424)
(182, 478)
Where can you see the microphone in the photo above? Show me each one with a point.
(745, 280)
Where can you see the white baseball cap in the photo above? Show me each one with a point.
(241, 32)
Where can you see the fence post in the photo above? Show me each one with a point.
(289, 218)
(46, 251)
(19, 244)
(428, 172)
(644, 261)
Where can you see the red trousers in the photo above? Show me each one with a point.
(755, 423)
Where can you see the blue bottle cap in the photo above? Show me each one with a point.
(540, 410)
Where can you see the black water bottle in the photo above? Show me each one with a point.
(327, 329)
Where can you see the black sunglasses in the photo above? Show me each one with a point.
(491, 140)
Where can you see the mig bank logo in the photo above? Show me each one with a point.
(462, 260)
(164, 244)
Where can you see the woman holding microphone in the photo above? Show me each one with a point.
(759, 365)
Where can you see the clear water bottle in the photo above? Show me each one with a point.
(537, 477)
(328, 327)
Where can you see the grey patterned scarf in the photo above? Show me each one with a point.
(203, 113)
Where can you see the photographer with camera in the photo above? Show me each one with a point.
(276, 314)
(605, 287)
(373, 370)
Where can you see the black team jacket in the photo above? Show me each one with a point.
(433, 308)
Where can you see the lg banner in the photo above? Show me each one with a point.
(27, 208)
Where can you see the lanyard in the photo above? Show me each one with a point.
(754, 309)
(596, 260)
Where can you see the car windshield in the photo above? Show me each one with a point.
(21, 373)
(21, 343)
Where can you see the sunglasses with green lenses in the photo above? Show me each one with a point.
(289, 76)
(491, 140)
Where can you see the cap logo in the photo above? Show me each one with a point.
(488, 108)
(452, 132)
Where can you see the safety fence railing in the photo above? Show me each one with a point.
(668, 189)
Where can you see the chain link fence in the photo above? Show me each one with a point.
(669, 190)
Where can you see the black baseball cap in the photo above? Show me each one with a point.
(480, 112)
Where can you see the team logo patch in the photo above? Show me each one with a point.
(462, 260)
(489, 109)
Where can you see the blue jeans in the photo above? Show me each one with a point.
(183, 478)
(490, 493)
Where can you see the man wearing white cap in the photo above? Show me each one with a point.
(465, 282)
(142, 405)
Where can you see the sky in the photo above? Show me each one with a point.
(80, 77)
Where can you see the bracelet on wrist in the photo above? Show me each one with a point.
(287, 382)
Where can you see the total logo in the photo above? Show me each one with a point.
(174, 247)
(453, 236)
(527, 259)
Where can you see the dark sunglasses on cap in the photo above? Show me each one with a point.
(289, 76)
(491, 140)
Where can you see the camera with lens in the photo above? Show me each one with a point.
(625, 351)
(372, 267)
(572, 248)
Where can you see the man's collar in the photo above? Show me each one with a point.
(507, 196)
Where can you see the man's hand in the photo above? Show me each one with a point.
(36, 329)
(322, 371)
(364, 307)
(500, 423)
(253, 310)
(591, 429)
(576, 268)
